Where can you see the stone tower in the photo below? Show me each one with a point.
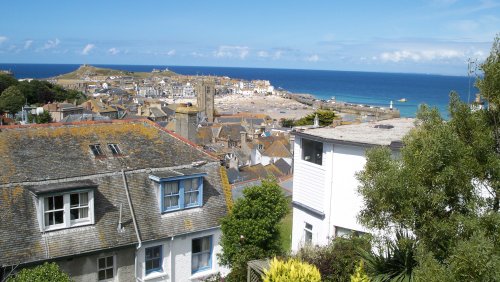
(205, 92)
(186, 121)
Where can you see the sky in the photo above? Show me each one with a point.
(411, 36)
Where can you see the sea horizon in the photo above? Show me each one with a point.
(360, 87)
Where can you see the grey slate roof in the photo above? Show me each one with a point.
(45, 158)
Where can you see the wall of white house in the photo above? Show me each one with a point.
(330, 189)
(308, 180)
(346, 202)
(85, 268)
(176, 258)
(319, 228)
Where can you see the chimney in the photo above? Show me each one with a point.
(243, 135)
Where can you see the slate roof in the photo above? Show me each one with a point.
(277, 150)
(43, 158)
(231, 131)
(283, 166)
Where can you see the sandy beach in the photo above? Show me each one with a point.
(274, 106)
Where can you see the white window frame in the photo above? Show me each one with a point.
(99, 269)
(67, 222)
(306, 231)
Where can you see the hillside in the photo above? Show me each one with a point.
(87, 70)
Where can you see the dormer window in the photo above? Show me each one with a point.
(115, 150)
(65, 205)
(179, 189)
(96, 150)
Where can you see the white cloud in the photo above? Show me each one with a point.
(197, 54)
(50, 44)
(313, 58)
(263, 54)
(27, 44)
(3, 39)
(86, 50)
(421, 55)
(232, 52)
(277, 55)
(171, 52)
(113, 51)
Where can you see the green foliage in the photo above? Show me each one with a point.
(251, 230)
(44, 117)
(7, 80)
(11, 100)
(42, 92)
(287, 122)
(436, 188)
(359, 275)
(325, 117)
(338, 260)
(41, 273)
(291, 270)
(395, 261)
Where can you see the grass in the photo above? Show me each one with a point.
(286, 230)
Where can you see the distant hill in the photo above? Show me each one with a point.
(87, 70)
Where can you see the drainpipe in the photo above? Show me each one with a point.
(331, 195)
(172, 262)
(131, 210)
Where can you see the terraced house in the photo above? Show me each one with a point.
(109, 200)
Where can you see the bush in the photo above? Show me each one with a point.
(338, 260)
(41, 273)
(291, 270)
(360, 275)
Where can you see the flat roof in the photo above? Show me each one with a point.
(383, 132)
(61, 187)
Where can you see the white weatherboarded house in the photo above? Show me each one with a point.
(325, 198)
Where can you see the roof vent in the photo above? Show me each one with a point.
(384, 126)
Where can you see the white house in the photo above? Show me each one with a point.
(325, 200)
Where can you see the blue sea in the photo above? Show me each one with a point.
(355, 87)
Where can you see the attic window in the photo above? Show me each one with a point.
(96, 149)
(115, 149)
(384, 126)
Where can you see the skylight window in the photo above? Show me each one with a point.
(115, 149)
(96, 150)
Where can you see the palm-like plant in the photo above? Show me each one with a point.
(395, 263)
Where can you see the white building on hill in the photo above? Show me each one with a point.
(325, 198)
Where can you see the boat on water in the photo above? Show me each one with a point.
(402, 100)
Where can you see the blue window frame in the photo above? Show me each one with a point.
(201, 254)
(153, 259)
(181, 193)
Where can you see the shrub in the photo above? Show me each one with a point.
(41, 273)
(291, 270)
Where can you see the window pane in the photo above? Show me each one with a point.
(149, 253)
(109, 261)
(196, 246)
(171, 188)
(102, 274)
(49, 203)
(205, 246)
(102, 263)
(84, 199)
(312, 151)
(84, 212)
(74, 200)
(109, 273)
(204, 258)
(58, 217)
(58, 202)
(149, 265)
(156, 263)
(74, 214)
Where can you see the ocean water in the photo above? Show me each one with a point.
(355, 87)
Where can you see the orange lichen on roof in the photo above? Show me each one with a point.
(226, 187)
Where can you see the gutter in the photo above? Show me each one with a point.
(131, 210)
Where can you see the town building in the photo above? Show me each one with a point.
(205, 91)
(326, 160)
(58, 111)
(110, 201)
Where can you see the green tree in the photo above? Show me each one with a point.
(291, 270)
(251, 230)
(444, 187)
(11, 100)
(7, 80)
(44, 117)
(41, 273)
(287, 122)
(325, 117)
